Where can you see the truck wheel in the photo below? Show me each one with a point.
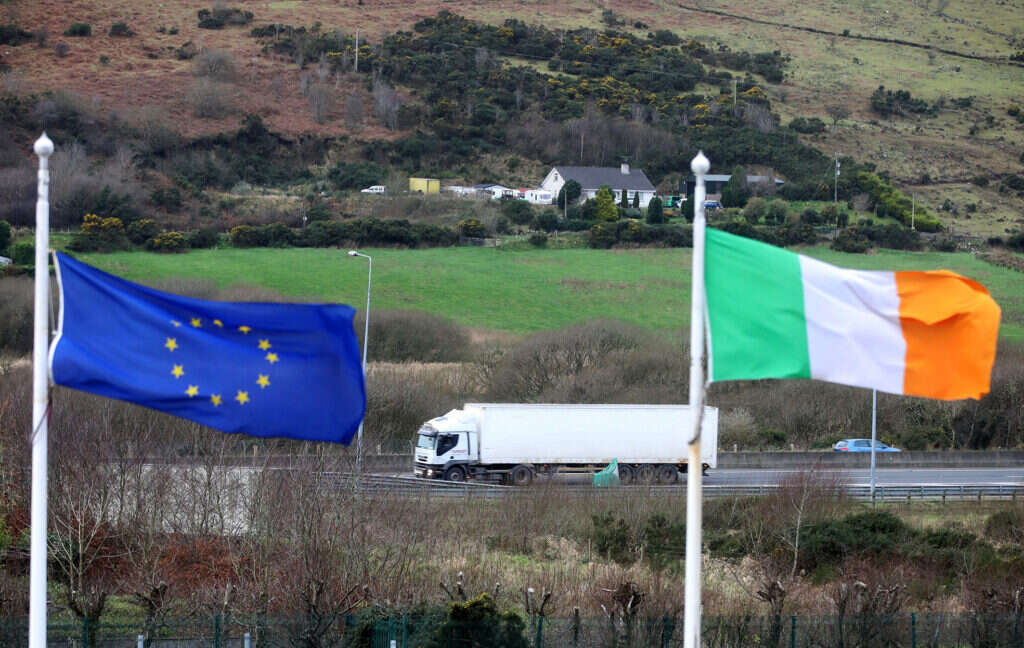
(626, 474)
(645, 473)
(521, 476)
(455, 474)
(666, 474)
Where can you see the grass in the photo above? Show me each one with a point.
(518, 290)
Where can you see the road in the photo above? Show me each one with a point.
(857, 477)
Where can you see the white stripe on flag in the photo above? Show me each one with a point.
(854, 335)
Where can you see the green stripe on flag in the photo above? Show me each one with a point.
(755, 307)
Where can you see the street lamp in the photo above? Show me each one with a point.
(366, 335)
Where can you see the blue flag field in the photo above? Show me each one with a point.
(266, 370)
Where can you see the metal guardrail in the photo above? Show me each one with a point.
(416, 487)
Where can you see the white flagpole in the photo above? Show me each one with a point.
(692, 605)
(40, 392)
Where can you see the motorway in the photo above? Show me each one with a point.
(856, 477)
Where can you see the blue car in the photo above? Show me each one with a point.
(862, 445)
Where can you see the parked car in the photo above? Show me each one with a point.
(862, 445)
(375, 189)
(712, 204)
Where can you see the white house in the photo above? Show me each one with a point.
(497, 191)
(459, 191)
(622, 179)
(539, 196)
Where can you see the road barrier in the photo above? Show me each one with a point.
(415, 487)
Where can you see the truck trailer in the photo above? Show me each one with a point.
(513, 443)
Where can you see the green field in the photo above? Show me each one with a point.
(516, 291)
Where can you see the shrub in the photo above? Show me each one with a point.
(472, 228)
(13, 35)
(807, 126)
(547, 220)
(356, 175)
(79, 30)
(5, 236)
(1006, 526)
(61, 49)
(810, 217)
(16, 312)
(100, 235)
(244, 236)
(413, 336)
(573, 190)
(202, 238)
(477, 623)
(656, 212)
(23, 253)
(169, 199)
(1014, 182)
(851, 240)
(187, 51)
(539, 240)
(945, 244)
(980, 180)
(210, 99)
(167, 242)
(518, 211)
(142, 231)
(756, 209)
(612, 538)
(120, 30)
(777, 211)
(215, 64)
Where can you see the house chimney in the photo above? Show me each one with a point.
(624, 168)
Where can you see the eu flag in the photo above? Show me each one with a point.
(267, 370)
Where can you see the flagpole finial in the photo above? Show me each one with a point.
(43, 146)
(700, 164)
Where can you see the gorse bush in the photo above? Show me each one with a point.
(5, 236)
(168, 242)
(142, 230)
(16, 312)
(79, 29)
(100, 235)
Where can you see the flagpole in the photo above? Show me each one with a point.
(40, 396)
(692, 604)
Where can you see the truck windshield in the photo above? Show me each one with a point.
(425, 441)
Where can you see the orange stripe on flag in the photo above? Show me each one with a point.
(951, 325)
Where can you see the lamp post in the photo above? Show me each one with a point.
(366, 335)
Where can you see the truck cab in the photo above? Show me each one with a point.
(445, 448)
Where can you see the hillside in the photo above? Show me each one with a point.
(954, 57)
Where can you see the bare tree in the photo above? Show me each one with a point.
(320, 101)
(387, 103)
(760, 118)
(837, 112)
(353, 110)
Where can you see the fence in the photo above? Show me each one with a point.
(910, 630)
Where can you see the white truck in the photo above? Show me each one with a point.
(514, 443)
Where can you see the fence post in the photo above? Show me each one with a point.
(666, 631)
(216, 631)
(913, 630)
(85, 632)
(247, 640)
(539, 643)
(792, 631)
(575, 627)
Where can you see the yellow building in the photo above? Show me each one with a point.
(424, 185)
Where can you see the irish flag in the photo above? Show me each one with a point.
(776, 314)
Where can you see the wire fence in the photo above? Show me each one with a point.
(903, 630)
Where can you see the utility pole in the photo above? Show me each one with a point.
(356, 68)
(913, 209)
(734, 96)
(835, 194)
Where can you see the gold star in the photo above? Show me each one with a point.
(171, 344)
(243, 397)
(218, 323)
(215, 399)
(272, 357)
(196, 322)
(264, 344)
(263, 381)
(192, 390)
(176, 323)
(178, 371)
(245, 329)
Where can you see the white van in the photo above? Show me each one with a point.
(375, 189)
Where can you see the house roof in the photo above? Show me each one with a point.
(591, 178)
